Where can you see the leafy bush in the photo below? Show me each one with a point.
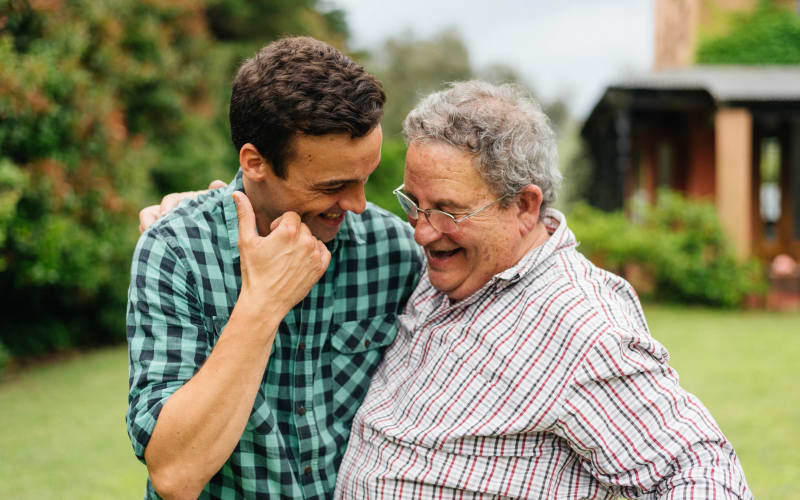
(73, 168)
(768, 34)
(676, 252)
(5, 357)
(104, 107)
(388, 175)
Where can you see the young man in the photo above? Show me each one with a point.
(254, 328)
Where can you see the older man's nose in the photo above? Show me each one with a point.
(424, 233)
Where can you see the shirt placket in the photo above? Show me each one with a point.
(315, 314)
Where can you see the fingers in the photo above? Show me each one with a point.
(246, 216)
(324, 255)
(171, 200)
(147, 216)
(287, 229)
(289, 221)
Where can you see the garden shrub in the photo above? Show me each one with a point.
(677, 246)
(5, 358)
(388, 175)
(104, 107)
(767, 34)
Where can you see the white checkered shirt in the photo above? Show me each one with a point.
(545, 383)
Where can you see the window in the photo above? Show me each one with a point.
(770, 188)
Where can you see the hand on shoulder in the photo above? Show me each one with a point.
(148, 215)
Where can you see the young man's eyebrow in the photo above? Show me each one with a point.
(334, 182)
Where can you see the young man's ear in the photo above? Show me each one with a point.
(254, 166)
(529, 203)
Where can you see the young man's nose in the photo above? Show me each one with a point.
(354, 199)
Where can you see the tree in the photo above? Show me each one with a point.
(768, 34)
(104, 105)
(410, 68)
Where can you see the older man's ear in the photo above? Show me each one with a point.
(529, 204)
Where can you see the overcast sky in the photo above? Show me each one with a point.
(562, 47)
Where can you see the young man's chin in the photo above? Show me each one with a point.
(325, 229)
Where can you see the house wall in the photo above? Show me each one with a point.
(700, 177)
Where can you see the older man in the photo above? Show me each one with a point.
(520, 370)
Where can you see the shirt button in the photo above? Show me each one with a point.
(307, 470)
(366, 343)
(301, 411)
(301, 347)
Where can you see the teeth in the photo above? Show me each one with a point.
(331, 216)
(442, 253)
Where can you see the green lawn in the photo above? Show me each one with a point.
(745, 367)
(62, 431)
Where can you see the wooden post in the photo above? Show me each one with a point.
(734, 176)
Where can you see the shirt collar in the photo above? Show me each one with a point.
(229, 212)
(351, 230)
(561, 237)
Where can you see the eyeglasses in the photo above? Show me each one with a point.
(440, 221)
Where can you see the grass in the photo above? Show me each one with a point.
(62, 429)
(744, 367)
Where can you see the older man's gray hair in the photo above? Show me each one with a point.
(502, 125)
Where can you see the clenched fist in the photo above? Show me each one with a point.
(278, 270)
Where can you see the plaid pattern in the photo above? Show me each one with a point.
(543, 384)
(185, 280)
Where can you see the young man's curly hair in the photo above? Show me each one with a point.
(300, 85)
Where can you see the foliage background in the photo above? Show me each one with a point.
(104, 106)
(107, 105)
(676, 252)
(767, 34)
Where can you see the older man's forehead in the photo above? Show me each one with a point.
(436, 200)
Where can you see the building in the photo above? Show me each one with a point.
(730, 134)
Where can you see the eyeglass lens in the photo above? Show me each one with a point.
(439, 220)
(408, 207)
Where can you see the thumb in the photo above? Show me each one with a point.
(245, 214)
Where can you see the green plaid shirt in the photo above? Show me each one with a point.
(185, 279)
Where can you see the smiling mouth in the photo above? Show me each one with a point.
(442, 254)
(332, 219)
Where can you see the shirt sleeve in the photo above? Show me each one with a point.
(639, 432)
(167, 341)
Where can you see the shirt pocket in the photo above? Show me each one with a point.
(365, 335)
(356, 349)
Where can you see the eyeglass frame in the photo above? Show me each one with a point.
(398, 194)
